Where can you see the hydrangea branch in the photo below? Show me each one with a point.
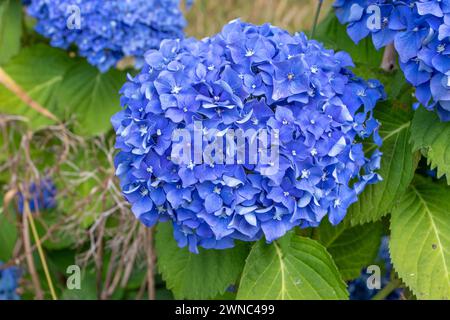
(389, 58)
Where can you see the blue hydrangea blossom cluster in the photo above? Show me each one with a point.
(9, 281)
(248, 77)
(42, 196)
(109, 29)
(420, 31)
(358, 288)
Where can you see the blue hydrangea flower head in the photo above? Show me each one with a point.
(358, 288)
(246, 79)
(42, 196)
(9, 281)
(420, 31)
(105, 31)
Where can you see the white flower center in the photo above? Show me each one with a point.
(249, 53)
(337, 203)
(305, 174)
(176, 90)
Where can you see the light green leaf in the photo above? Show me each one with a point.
(8, 236)
(291, 268)
(398, 164)
(197, 276)
(352, 248)
(432, 135)
(91, 97)
(420, 239)
(10, 29)
(39, 70)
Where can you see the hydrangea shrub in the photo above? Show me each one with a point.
(246, 77)
(105, 31)
(420, 31)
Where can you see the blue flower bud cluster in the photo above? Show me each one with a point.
(246, 77)
(105, 31)
(420, 31)
(9, 279)
(41, 196)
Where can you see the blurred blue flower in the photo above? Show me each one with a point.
(247, 77)
(9, 279)
(358, 288)
(105, 31)
(420, 31)
(41, 196)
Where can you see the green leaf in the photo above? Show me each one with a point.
(91, 97)
(352, 248)
(398, 164)
(8, 236)
(197, 276)
(58, 239)
(39, 70)
(432, 135)
(291, 268)
(420, 239)
(334, 35)
(88, 290)
(10, 29)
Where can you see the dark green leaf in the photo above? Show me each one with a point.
(397, 166)
(197, 276)
(352, 248)
(334, 35)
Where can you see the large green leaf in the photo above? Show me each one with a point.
(197, 276)
(39, 70)
(432, 135)
(10, 28)
(292, 268)
(8, 236)
(398, 164)
(352, 248)
(420, 239)
(91, 97)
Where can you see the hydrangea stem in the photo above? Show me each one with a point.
(150, 263)
(39, 295)
(387, 290)
(316, 18)
(389, 58)
(30, 218)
